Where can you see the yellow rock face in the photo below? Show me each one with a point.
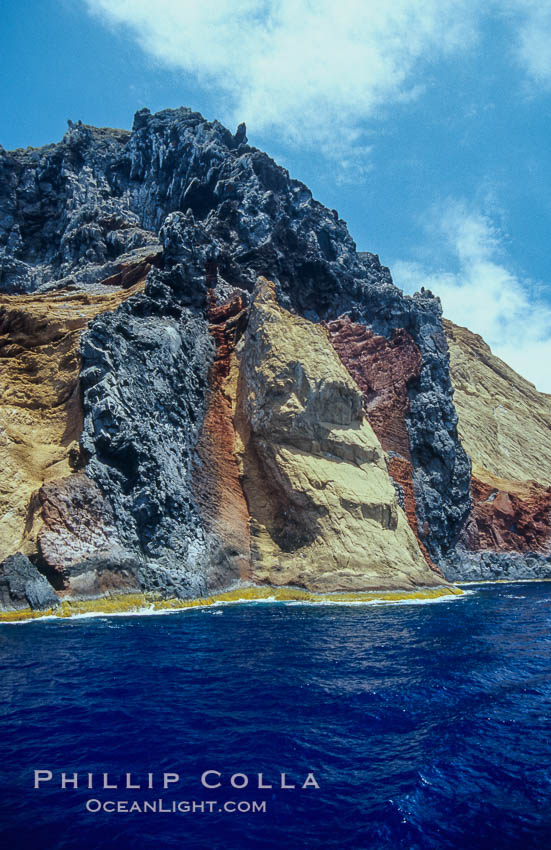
(324, 514)
(40, 407)
(504, 422)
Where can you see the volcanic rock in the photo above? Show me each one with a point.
(77, 210)
(324, 513)
(384, 369)
(504, 422)
(145, 382)
(505, 425)
(22, 586)
(41, 415)
(217, 476)
(159, 431)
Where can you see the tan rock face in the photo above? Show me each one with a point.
(504, 422)
(505, 427)
(40, 408)
(323, 509)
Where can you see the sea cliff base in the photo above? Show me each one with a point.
(140, 603)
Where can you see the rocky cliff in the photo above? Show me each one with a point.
(505, 426)
(41, 418)
(204, 383)
(324, 512)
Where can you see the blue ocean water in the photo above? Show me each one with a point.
(425, 725)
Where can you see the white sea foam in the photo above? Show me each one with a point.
(365, 602)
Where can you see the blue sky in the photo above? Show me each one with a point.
(427, 125)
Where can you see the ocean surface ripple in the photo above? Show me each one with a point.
(426, 726)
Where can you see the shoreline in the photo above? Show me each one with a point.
(144, 603)
(501, 581)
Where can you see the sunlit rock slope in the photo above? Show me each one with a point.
(505, 427)
(324, 512)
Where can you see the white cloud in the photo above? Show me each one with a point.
(532, 25)
(309, 70)
(315, 71)
(318, 72)
(484, 294)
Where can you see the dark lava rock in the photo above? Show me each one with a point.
(461, 565)
(144, 383)
(22, 586)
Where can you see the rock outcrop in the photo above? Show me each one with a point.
(77, 211)
(324, 512)
(384, 370)
(505, 426)
(41, 416)
(79, 547)
(145, 381)
(504, 422)
(165, 427)
(22, 586)
(217, 480)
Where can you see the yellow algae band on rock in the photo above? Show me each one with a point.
(134, 603)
